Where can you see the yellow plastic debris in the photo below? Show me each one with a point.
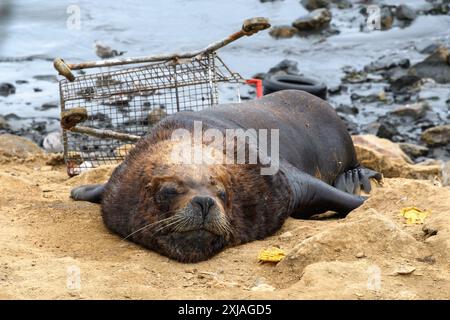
(271, 255)
(414, 215)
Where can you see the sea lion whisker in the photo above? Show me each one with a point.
(149, 225)
(169, 224)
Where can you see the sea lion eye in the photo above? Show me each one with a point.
(222, 195)
(169, 191)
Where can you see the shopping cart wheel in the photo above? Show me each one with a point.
(63, 69)
(254, 25)
(72, 117)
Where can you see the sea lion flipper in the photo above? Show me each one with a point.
(92, 193)
(313, 196)
(353, 180)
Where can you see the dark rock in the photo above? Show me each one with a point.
(50, 78)
(405, 12)
(436, 66)
(335, 89)
(415, 111)
(263, 1)
(48, 106)
(12, 116)
(282, 32)
(384, 129)
(401, 81)
(354, 76)
(21, 81)
(315, 4)
(385, 63)
(315, 20)
(37, 89)
(437, 136)
(439, 7)
(413, 150)
(345, 109)
(6, 89)
(365, 98)
(286, 66)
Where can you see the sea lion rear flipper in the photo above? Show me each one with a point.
(353, 180)
(313, 196)
(92, 193)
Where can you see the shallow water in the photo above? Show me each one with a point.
(38, 29)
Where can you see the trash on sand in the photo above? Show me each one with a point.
(271, 255)
(414, 215)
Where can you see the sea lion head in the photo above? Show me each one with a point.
(181, 210)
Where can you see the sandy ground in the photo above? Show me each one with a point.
(55, 248)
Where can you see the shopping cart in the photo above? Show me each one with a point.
(104, 113)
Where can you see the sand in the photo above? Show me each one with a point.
(55, 248)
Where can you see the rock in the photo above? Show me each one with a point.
(388, 158)
(428, 48)
(286, 235)
(48, 106)
(37, 89)
(435, 66)
(360, 255)
(345, 109)
(413, 150)
(49, 77)
(4, 125)
(6, 89)
(370, 234)
(404, 270)
(405, 12)
(401, 80)
(437, 136)
(415, 111)
(385, 63)
(286, 66)
(315, 20)
(386, 18)
(21, 81)
(283, 32)
(263, 288)
(53, 142)
(315, 4)
(15, 146)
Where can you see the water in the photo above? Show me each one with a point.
(39, 29)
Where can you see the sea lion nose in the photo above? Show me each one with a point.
(204, 202)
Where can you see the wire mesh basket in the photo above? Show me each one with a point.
(104, 113)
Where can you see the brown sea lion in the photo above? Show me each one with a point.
(189, 212)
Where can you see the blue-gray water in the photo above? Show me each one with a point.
(38, 28)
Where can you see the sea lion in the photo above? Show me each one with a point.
(190, 212)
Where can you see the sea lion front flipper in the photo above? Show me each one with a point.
(313, 196)
(92, 193)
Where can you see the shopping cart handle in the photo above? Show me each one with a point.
(63, 69)
(253, 25)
